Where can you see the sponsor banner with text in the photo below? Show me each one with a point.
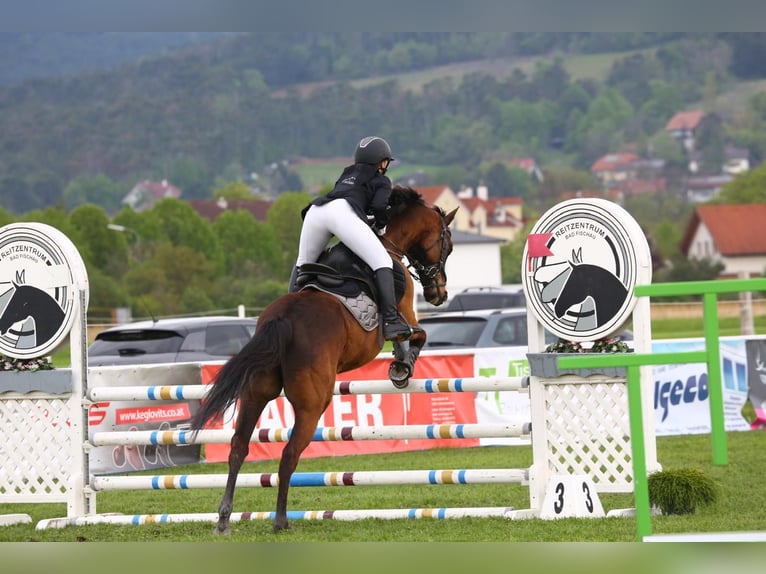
(369, 411)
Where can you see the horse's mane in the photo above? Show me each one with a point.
(403, 197)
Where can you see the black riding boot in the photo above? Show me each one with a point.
(292, 286)
(394, 328)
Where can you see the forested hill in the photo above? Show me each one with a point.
(220, 109)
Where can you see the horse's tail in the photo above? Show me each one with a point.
(263, 352)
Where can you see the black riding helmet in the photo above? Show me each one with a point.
(372, 150)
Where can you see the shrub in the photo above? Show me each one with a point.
(681, 491)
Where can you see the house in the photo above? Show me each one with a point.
(683, 126)
(699, 189)
(735, 161)
(478, 213)
(614, 168)
(210, 209)
(146, 193)
(475, 260)
(733, 235)
(496, 217)
(634, 187)
(443, 196)
(530, 166)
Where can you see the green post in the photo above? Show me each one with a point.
(640, 480)
(714, 383)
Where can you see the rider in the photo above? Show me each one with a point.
(361, 190)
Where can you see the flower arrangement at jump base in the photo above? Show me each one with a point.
(605, 345)
(9, 364)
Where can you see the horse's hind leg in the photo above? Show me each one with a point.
(302, 434)
(249, 411)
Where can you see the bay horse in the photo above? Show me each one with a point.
(304, 339)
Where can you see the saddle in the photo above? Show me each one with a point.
(340, 272)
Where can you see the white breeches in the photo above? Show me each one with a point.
(339, 219)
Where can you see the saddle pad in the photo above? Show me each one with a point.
(361, 307)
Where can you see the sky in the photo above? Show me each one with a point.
(396, 15)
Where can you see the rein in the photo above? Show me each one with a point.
(424, 273)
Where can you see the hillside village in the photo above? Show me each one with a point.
(730, 235)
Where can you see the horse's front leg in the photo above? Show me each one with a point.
(405, 355)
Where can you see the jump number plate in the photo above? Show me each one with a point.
(571, 496)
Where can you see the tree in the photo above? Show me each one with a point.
(503, 181)
(233, 190)
(284, 219)
(250, 247)
(183, 226)
(159, 285)
(748, 187)
(107, 249)
(98, 190)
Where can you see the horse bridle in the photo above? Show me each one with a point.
(426, 274)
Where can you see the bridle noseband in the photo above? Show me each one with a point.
(426, 273)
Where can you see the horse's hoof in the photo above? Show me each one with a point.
(279, 527)
(219, 531)
(400, 372)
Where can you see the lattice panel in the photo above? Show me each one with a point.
(35, 458)
(588, 433)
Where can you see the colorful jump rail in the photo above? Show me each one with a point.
(711, 355)
(371, 387)
(391, 432)
(370, 478)
(359, 478)
(342, 515)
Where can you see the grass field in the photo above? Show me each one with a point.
(739, 508)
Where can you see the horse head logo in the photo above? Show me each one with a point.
(597, 291)
(28, 302)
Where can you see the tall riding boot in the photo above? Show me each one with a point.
(292, 285)
(394, 328)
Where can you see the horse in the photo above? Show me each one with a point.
(28, 301)
(304, 339)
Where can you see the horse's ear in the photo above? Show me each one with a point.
(19, 278)
(577, 256)
(450, 216)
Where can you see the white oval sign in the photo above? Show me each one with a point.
(581, 261)
(41, 274)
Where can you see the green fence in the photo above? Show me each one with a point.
(633, 361)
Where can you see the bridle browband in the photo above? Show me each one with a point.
(425, 273)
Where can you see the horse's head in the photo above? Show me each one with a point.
(422, 233)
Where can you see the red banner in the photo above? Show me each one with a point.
(370, 411)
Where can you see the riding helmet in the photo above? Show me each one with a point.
(373, 150)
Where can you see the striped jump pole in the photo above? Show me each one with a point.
(371, 387)
(321, 434)
(362, 478)
(312, 479)
(341, 515)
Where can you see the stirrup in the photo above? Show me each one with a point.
(396, 331)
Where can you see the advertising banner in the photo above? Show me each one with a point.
(502, 407)
(141, 416)
(369, 411)
(756, 370)
(681, 403)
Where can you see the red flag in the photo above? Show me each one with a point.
(537, 246)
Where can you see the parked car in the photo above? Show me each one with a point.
(178, 340)
(486, 298)
(482, 328)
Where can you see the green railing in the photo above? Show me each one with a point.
(633, 361)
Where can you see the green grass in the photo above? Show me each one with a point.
(740, 505)
(692, 328)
